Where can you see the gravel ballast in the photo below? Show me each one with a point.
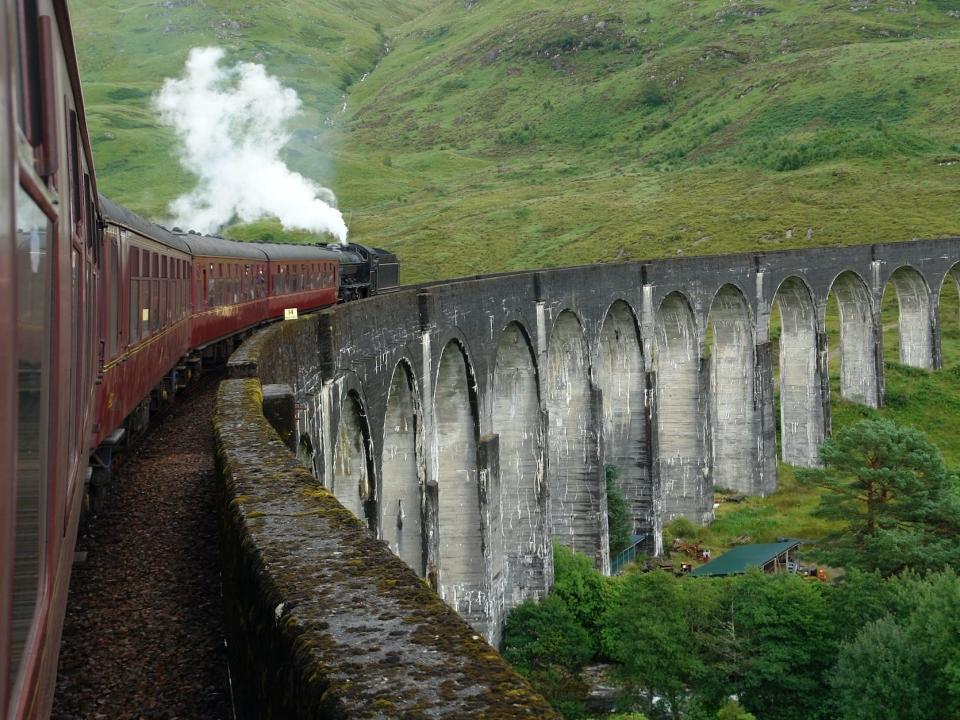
(143, 636)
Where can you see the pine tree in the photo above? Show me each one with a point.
(890, 487)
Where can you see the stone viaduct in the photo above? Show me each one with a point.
(468, 423)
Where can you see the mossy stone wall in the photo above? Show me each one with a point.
(323, 620)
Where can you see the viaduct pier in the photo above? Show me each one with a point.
(464, 426)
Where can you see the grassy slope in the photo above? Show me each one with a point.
(498, 135)
(519, 134)
(127, 48)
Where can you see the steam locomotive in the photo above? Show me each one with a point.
(103, 318)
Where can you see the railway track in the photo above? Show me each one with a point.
(143, 636)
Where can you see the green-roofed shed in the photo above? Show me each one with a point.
(771, 557)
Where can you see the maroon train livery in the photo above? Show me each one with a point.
(103, 318)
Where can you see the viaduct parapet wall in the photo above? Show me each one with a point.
(323, 621)
(468, 423)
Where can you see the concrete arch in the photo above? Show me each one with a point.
(577, 492)
(621, 375)
(517, 421)
(802, 426)
(461, 576)
(914, 325)
(733, 410)
(680, 420)
(402, 470)
(952, 274)
(948, 308)
(858, 339)
(353, 483)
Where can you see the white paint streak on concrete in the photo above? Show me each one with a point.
(516, 419)
(801, 413)
(733, 419)
(913, 298)
(351, 480)
(401, 504)
(679, 411)
(621, 379)
(575, 495)
(858, 367)
(462, 576)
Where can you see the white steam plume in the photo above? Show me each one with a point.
(231, 123)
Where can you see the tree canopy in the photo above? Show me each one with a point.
(889, 486)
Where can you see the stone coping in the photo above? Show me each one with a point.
(323, 620)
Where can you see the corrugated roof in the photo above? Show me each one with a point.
(210, 246)
(118, 215)
(291, 251)
(742, 558)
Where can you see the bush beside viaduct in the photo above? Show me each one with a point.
(467, 424)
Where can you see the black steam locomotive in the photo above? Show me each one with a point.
(366, 271)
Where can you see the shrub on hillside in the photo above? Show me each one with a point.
(546, 634)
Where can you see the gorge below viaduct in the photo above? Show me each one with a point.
(467, 425)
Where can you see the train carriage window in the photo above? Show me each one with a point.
(114, 299)
(73, 159)
(88, 333)
(93, 238)
(76, 357)
(162, 319)
(144, 313)
(33, 317)
(134, 271)
(155, 305)
(29, 93)
(174, 312)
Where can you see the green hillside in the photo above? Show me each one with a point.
(482, 135)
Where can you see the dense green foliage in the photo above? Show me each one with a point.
(481, 136)
(547, 633)
(788, 648)
(619, 517)
(898, 505)
(905, 664)
(647, 634)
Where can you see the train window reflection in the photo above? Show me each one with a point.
(33, 356)
(28, 87)
(114, 299)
